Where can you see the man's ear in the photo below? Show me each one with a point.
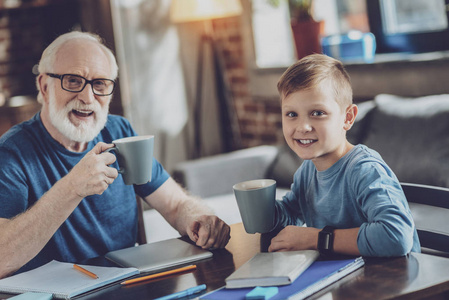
(351, 114)
(43, 87)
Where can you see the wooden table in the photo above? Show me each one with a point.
(417, 276)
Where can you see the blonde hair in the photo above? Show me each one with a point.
(46, 63)
(317, 71)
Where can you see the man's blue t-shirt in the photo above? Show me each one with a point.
(359, 190)
(32, 162)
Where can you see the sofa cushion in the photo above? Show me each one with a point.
(412, 135)
(215, 175)
(283, 167)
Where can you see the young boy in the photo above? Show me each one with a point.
(350, 200)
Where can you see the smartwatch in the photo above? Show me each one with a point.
(326, 240)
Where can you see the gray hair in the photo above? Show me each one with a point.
(47, 60)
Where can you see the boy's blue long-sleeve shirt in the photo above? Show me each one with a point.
(359, 190)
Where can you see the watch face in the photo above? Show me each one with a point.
(326, 240)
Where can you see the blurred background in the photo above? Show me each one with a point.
(201, 75)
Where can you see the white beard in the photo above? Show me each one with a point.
(83, 132)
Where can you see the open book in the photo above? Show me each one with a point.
(269, 269)
(62, 280)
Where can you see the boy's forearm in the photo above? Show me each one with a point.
(345, 241)
(385, 239)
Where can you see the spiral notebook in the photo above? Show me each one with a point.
(62, 280)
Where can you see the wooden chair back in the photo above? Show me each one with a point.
(141, 235)
(430, 210)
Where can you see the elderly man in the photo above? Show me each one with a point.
(60, 193)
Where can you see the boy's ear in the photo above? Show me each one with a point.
(351, 114)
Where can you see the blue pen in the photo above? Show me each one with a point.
(184, 293)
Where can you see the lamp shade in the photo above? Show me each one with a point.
(198, 10)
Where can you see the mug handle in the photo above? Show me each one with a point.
(121, 170)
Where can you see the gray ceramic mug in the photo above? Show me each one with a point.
(135, 158)
(255, 200)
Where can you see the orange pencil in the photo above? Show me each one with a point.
(158, 275)
(88, 273)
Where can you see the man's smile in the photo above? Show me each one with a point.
(82, 113)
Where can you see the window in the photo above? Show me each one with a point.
(273, 44)
(413, 26)
(409, 25)
(413, 16)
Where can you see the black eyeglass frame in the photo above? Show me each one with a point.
(86, 81)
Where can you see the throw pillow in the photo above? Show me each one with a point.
(412, 135)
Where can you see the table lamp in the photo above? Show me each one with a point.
(206, 10)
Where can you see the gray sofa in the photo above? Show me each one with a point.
(412, 135)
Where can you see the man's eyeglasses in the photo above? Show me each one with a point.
(75, 84)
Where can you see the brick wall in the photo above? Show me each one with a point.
(21, 43)
(26, 28)
(259, 119)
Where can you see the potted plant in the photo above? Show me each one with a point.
(306, 31)
(300, 10)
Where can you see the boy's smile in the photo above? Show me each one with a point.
(306, 143)
(314, 126)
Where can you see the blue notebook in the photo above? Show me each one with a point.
(319, 275)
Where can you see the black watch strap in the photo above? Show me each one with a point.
(326, 240)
